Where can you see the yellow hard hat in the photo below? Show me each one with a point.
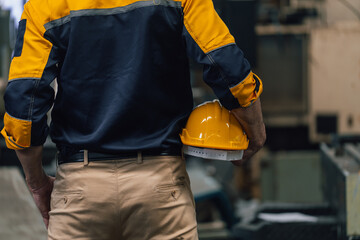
(212, 126)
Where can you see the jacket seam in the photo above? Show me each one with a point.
(32, 99)
(23, 78)
(16, 118)
(241, 81)
(226, 45)
(222, 74)
(204, 48)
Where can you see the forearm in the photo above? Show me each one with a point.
(31, 161)
(38, 182)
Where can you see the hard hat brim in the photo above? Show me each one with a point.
(214, 154)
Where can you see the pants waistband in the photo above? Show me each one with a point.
(88, 156)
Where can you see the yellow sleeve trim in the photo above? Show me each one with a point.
(17, 132)
(248, 91)
(205, 26)
(35, 50)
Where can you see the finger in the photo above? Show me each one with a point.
(46, 222)
(45, 216)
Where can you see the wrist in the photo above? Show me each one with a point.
(38, 181)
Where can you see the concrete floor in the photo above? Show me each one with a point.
(19, 217)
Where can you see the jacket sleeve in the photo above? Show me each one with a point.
(209, 42)
(29, 96)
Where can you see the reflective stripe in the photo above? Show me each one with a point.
(13, 142)
(257, 80)
(220, 47)
(110, 11)
(213, 154)
(17, 79)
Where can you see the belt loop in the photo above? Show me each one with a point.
(139, 158)
(86, 157)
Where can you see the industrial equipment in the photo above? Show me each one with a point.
(309, 70)
(336, 218)
(341, 185)
(334, 77)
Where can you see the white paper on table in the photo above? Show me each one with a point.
(287, 217)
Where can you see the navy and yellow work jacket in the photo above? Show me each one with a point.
(122, 71)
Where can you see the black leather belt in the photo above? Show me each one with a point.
(95, 156)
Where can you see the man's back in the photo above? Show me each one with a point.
(122, 70)
(122, 73)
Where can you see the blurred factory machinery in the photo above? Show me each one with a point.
(7, 41)
(307, 53)
(304, 184)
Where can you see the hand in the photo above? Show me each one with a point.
(254, 146)
(42, 195)
(252, 122)
(40, 184)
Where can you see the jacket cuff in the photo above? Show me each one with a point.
(248, 90)
(17, 132)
